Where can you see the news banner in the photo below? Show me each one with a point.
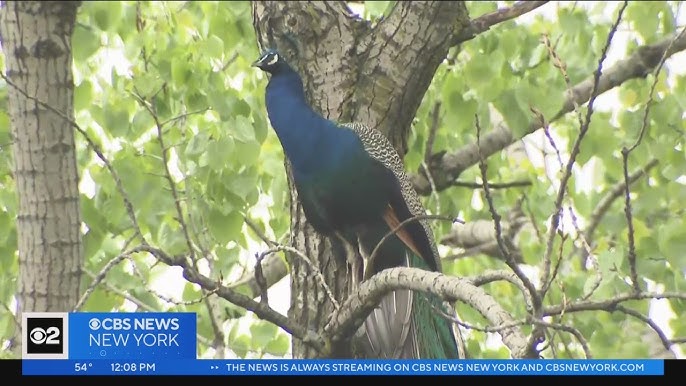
(165, 344)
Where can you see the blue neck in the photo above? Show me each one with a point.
(310, 141)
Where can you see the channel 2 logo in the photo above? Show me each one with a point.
(44, 335)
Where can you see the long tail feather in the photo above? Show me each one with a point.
(412, 325)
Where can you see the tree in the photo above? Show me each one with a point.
(499, 123)
(36, 37)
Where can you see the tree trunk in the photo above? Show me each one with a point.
(36, 39)
(352, 71)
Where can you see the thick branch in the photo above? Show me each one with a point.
(362, 302)
(447, 167)
(483, 23)
(399, 60)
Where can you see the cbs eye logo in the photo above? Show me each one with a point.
(44, 335)
(39, 335)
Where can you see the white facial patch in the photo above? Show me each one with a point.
(274, 60)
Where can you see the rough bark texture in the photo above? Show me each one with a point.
(36, 40)
(352, 70)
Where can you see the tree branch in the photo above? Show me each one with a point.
(263, 311)
(360, 304)
(445, 168)
(661, 334)
(614, 193)
(490, 276)
(608, 304)
(483, 23)
(584, 124)
(398, 61)
(536, 299)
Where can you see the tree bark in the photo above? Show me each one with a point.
(352, 71)
(36, 39)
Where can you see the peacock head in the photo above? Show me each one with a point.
(270, 61)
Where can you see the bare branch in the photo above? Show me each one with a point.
(576, 148)
(141, 305)
(558, 263)
(661, 334)
(151, 109)
(651, 95)
(477, 328)
(273, 269)
(630, 222)
(259, 277)
(435, 115)
(215, 321)
(259, 233)
(483, 23)
(504, 185)
(577, 334)
(507, 256)
(615, 192)
(183, 116)
(486, 248)
(108, 287)
(99, 277)
(608, 304)
(261, 310)
(625, 164)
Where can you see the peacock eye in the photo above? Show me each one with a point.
(274, 59)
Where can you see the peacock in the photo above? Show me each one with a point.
(352, 185)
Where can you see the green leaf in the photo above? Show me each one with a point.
(243, 184)
(242, 129)
(214, 47)
(646, 26)
(172, 240)
(102, 301)
(107, 14)
(246, 154)
(180, 72)
(377, 8)
(85, 42)
(83, 95)
(219, 152)
(116, 121)
(514, 115)
(223, 103)
(262, 333)
(142, 122)
(278, 346)
(199, 144)
(240, 345)
(672, 242)
(225, 228)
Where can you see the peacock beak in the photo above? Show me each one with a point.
(258, 63)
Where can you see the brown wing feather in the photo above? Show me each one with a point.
(391, 218)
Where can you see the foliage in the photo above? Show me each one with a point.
(189, 63)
